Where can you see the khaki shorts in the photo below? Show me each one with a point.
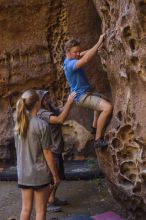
(91, 101)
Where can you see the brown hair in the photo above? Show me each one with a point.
(24, 104)
(71, 43)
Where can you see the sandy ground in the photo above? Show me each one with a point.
(85, 197)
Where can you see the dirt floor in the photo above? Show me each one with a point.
(85, 197)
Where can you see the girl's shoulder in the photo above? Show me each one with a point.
(38, 123)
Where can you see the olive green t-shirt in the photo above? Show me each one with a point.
(32, 169)
(57, 145)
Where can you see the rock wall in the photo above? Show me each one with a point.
(25, 61)
(123, 58)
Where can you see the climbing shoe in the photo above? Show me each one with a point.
(53, 208)
(100, 143)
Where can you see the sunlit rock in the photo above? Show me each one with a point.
(123, 56)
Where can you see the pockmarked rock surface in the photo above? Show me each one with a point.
(123, 58)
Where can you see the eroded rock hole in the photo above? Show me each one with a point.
(126, 133)
(107, 5)
(133, 44)
(129, 170)
(129, 152)
(120, 116)
(126, 32)
(116, 143)
(142, 7)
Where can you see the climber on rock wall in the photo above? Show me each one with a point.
(73, 68)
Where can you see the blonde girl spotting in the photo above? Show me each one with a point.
(35, 163)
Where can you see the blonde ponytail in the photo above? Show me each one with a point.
(22, 121)
(23, 106)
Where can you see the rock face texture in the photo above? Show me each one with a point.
(25, 61)
(123, 58)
